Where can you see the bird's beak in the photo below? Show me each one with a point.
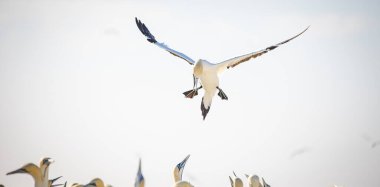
(51, 161)
(53, 180)
(56, 185)
(181, 165)
(231, 181)
(21, 170)
(90, 184)
(234, 173)
(246, 175)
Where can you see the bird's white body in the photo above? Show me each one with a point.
(208, 75)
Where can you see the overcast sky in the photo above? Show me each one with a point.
(79, 83)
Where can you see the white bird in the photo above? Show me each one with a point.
(253, 181)
(139, 181)
(44, 167)
(178, 170)
(236, 181)
(33, 171)
(206, 71)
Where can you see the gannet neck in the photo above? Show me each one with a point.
(44, 167)
(33, 171)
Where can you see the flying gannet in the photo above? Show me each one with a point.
(33, 171)
(206, 71)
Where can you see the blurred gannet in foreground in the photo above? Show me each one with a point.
(206, 71)
(44, 166)
(139, 181)
(33, 171)
(97, 182)
(253, 181)
(236, 181)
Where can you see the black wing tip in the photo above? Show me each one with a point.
(145, 31)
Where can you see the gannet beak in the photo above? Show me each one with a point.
(181, 165)
(231, 181)
(139, 177)
(90, 184)
(56, 185)
(50, 161)
(21, 170)
(234, 173)
(53, 180)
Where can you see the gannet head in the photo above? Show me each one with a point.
(139, 181)
(97, 182)
(30, 169)
(253, 180)
(44, 164)
(178, 170)
(236, 182)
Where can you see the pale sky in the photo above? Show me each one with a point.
(80, 84)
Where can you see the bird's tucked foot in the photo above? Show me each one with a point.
(191, 93)
(221, 94)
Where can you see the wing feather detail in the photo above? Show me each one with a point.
(145, 31)
(240, 59)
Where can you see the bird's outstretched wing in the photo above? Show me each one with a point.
(240, 59)
(153, 40)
